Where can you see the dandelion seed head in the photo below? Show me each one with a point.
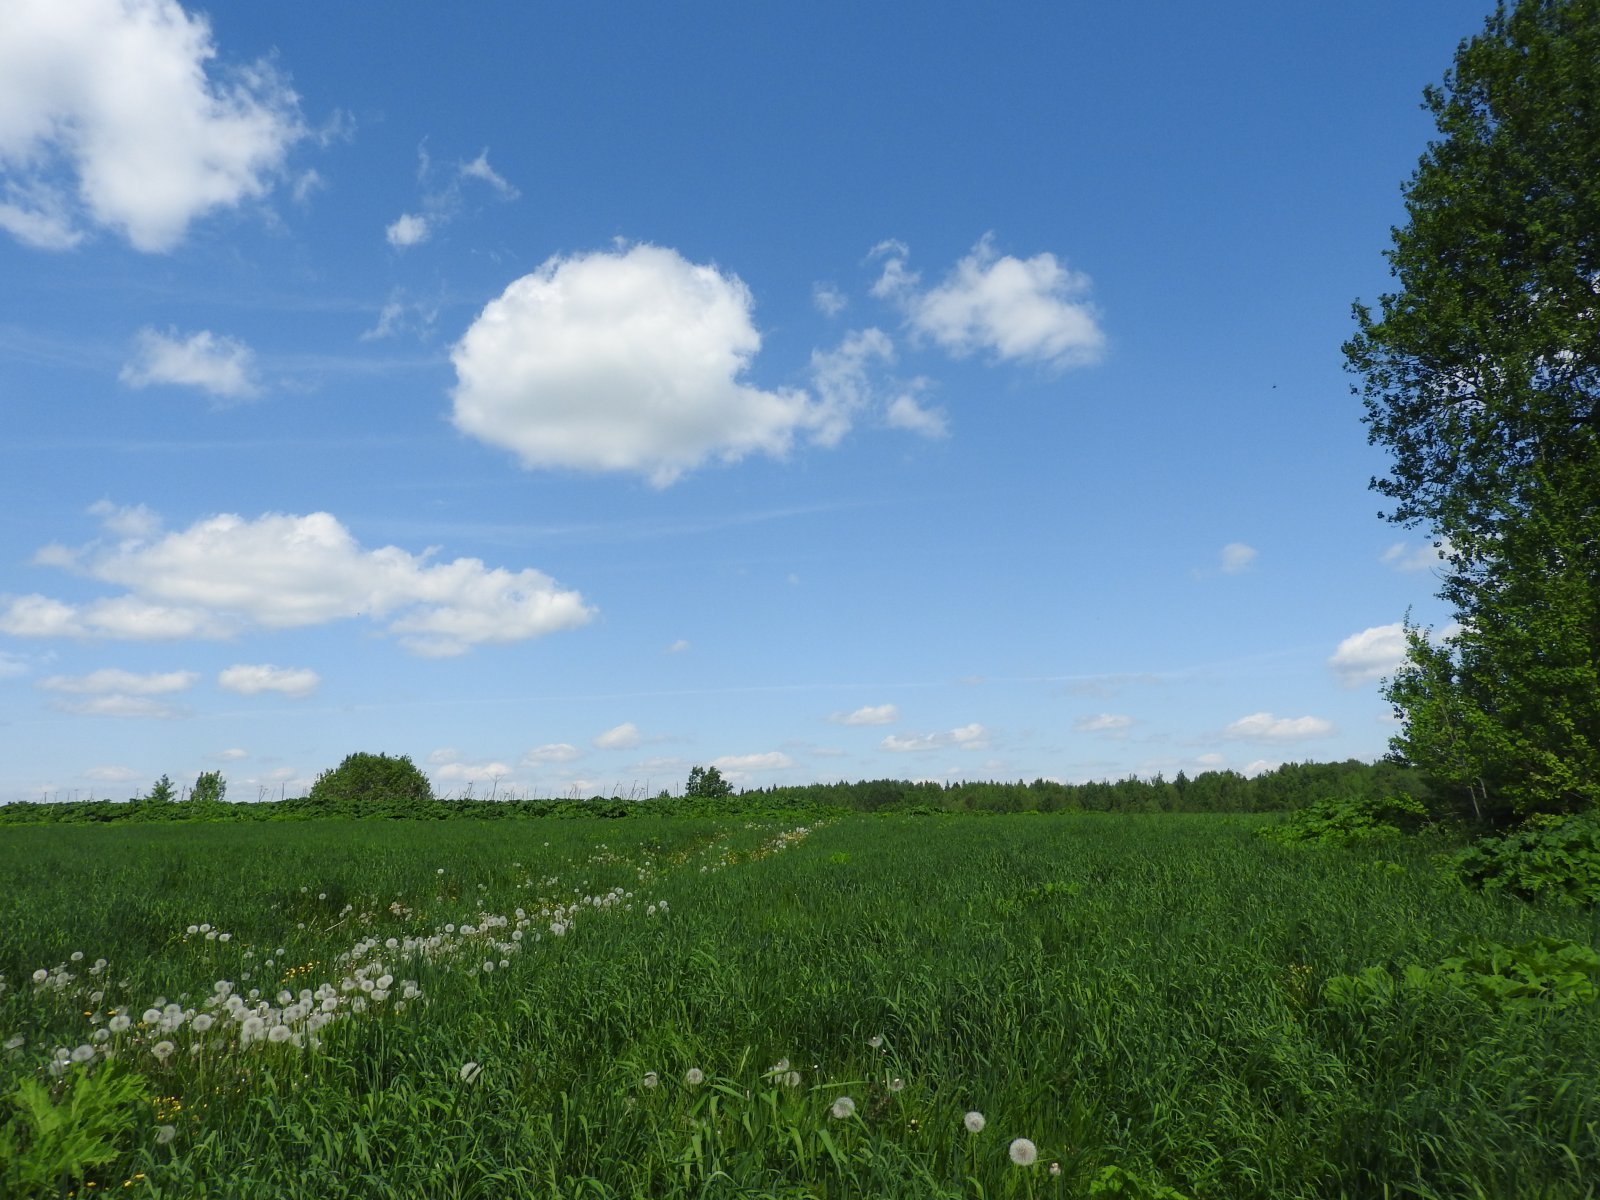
(875, 1042)
(974, 1122)
(694, 1076)
(470, 1072)
(843, 1108)
(1023, 1152)
(165, 1133)
(651, 1079)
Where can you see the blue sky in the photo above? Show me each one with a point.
(567, 395)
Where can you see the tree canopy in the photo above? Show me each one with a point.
(1482, 380)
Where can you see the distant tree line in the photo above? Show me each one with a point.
(393, 788)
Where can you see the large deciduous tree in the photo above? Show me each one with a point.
(1482, 380)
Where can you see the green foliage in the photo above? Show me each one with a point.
(52, 1140)
(1118, 1181)
(163, 792)
(706, 783)
(1349, 822)
(209, 788)
(1549, 858)
(1482, 380)
(1544, 973)
(370, 785)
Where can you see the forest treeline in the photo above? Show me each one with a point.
(1291, 787)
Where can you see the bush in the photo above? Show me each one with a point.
(1349, 821)
(371, 785)
(1548, 858)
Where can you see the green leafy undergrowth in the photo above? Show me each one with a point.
(1349, 821)
(1544, 973)
(57, 1136)
(1548, 858)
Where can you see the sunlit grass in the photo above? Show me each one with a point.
(1141, 995)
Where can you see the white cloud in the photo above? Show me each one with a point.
(843, 379)
(119, 705)
(967, 737)
(871, 714)
(1372, 654)
(111, 774)
(1027, 310)
(408, 229)
(1264, 727)
(678, 647)
(621, 737)
(737, 765)
(1402, 556)
(1212, 761)
(480, 169)
(11, 666)
(225, 574)
(130, 521)
(232, 754)
(222, 366)
(112, 113)
(828, 299)
(905, 413)
(463, 772)
(1103, 723)
(252, 680)
(624, 361)
(1260, 766)
(1236, 557)
(553, 752)
(111, 679)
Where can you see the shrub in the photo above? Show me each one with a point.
(1546, 972)
(369, 784)
(1349, 821)
(1548, 858)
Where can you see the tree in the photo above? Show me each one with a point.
(365, 783)
(209, 788)
(162, 792)
(707, 783)
(1482, 380)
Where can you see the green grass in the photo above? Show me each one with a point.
(1137, 992)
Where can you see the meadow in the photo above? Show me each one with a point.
(878, 1006)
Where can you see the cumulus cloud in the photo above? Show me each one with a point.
(1403, 556)
(252, 680)
(110, 680)
(630, 360)
(1264, 727)
(871, 714)
(620, 737)
(226, 574)
(1236, 557)
(113, 113)
(1103, 723)
(1372, 654)
(408, 229)
(904, 412)
(1023, 310)
(736, 766)
(967, 737)
(553, 752)
(223, 366)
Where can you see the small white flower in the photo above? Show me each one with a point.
(974, 1122)
(843, 1108)
(152, 1015)
(470, 1072)
(875, 1042)
(897, 1084)
(163, 1050)
(202, 1022)
(1023, 1152)
(165, 1133)
(651, 1079)
(279, 1033)
(1055, 1168)
(694, 1076)
(82, 1054)
(41, 975)
(119, 1023)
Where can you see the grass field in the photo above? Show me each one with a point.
(687, 1008)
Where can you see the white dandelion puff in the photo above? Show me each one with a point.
(651, 1079)
(470, 1071)
(165, 1133)
(163, 1050)
(875, 1042)
(974, 1122)
(843, 1108)
(1023, 1152)
(694, 1076)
